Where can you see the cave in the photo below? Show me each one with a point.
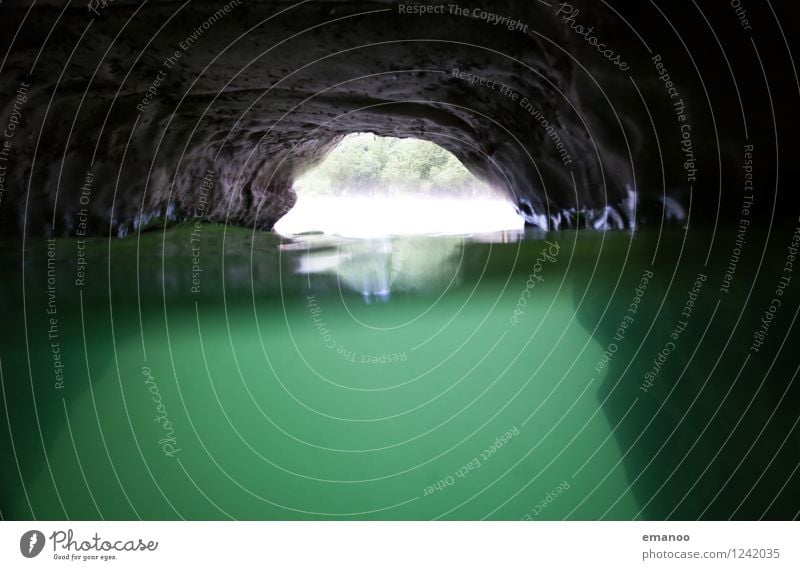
(149, 149)
(568, 137)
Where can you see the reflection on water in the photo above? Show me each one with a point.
(375, 267)
(319, 378)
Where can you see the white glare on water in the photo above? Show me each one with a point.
(370, 216)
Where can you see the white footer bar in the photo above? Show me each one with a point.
(400, 545)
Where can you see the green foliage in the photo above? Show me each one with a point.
(372, 165)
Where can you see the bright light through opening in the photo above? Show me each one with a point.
(372, 186)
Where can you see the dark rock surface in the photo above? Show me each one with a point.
(263, 91)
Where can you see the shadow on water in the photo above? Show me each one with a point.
(713, 431)
(67, 347)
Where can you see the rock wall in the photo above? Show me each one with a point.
(120, 115)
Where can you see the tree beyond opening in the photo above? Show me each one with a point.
(369, 165)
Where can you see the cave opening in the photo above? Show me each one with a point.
(372, 186)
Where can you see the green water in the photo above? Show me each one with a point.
(413, 378)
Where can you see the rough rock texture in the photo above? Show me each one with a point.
(262, 92)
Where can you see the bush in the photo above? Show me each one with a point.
(367, 164)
